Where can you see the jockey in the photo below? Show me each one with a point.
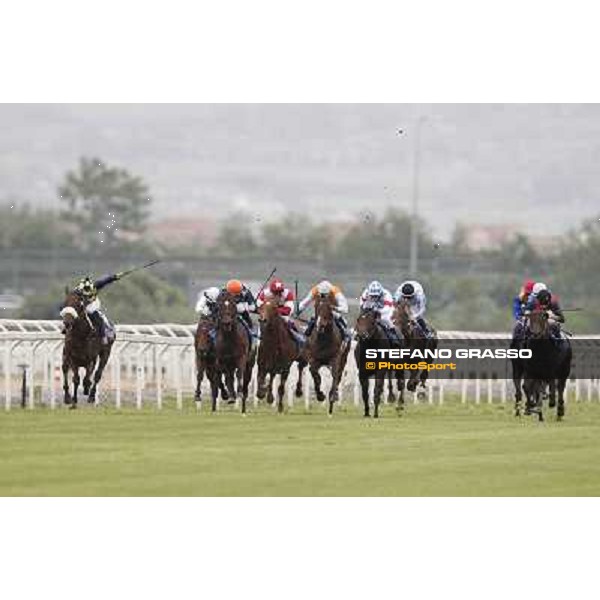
(88, 290)
(334, 294)
(532, 299)
(546, 301)
(520, 300)
(411, 294)
(244, 300)
(284, 298)
(207, 302)
(376, 297)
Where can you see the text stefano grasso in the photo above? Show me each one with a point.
(445, 353)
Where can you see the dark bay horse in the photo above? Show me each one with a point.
(205, 357)
(326, 347)
(414, 339)
(276, 354)
(368, 333)
(83, 349)
(550, 365)
(234, 354)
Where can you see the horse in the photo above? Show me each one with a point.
(326, 347)
(205, 357)
(416, 340)
(368, 332)
(234, 353)
(83, 349)
(276, 354)
(549, 365)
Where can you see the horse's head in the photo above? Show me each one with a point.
(267, 312)
(366, 323)
(73, 310)
(203, 337)
(538, 323)
(226, 311)
(323, 314)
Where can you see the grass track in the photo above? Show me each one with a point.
(459, 450)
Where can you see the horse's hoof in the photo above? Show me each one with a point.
(552, 404)
(231, 401)
(72, 406)
(224, 395)
(91, 400)
(320, 396)
(299, 392)
(421, 395)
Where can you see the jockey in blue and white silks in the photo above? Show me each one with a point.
(411, 294)
(207, 302)
(376, 297)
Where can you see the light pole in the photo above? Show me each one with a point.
(414, 225)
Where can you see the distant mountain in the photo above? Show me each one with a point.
(531, 165)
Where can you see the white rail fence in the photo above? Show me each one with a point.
(154, 365)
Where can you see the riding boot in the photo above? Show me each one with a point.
(310, 327)
(99, 326)
(424, 327)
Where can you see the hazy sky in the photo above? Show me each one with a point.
(532, 165)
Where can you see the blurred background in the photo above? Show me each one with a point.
(470, 199)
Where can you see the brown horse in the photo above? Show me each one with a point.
(415, 339)
(276, 353)
(83, 349)
(205, 357)
(234, 353)
(370, 332)
(326, 347)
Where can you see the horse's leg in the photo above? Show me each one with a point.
(364, 387)
(518, 393)
(560, 387)
(230, 383)
(552, 393)
(391, 397)
(379, 385)
(65, 372)
(270, 397)
(223, 388)
(246, 384)
(335, 381)
(281, 389)
(261, 388)
(76, 380)
(87, 378)
(400, 382)
(299, 383)
(103, 359)
(199, 378)
(314, 371)
(215, 379)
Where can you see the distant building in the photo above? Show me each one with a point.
(184, 232)
(488, 237)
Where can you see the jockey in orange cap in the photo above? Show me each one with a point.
(277, 292)
(244, 300)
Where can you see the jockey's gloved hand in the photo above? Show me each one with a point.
(118, 275)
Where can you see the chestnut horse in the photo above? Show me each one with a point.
(205, 357)
(83, 349)
(326, 347)
(276, 353)
(233, 352)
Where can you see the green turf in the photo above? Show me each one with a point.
(450, 450)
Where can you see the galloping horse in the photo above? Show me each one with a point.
(326, 347)
(205, 357)
(370, 332)
(234, 353)
(83, 349)
(550, 365)
(415, 339)
(276, 353)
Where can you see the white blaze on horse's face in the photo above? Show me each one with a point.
(68, 311)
